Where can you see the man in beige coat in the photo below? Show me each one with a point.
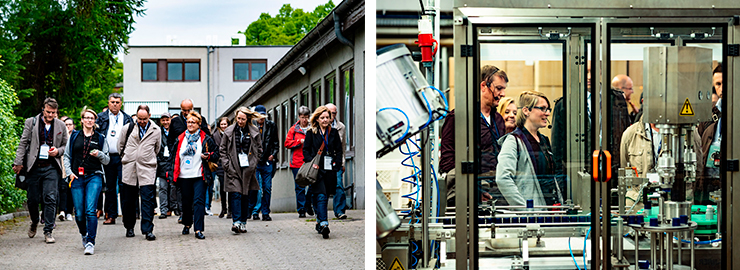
(241, 139)
(139, 158)
(39, 154)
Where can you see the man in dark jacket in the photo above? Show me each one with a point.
(492, 86)
(164, 171)
(619, 119)
(178, 125)
(109, 124)
(266, 166)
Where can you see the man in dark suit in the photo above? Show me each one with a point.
(178, 125)
(39, 154)
(109, 124)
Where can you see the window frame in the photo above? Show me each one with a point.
(182, 62)
(249, 68)
(156, 69)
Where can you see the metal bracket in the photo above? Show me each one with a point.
(733, 165)
(468, 167)
(733, 49)
(466, 50)
(460, 20)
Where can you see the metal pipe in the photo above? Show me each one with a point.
(653, 254)
(338, 30)
(680, 236)
(691, 234)
(661, 250)
(637, 249)
(209, 50)
(669, 250)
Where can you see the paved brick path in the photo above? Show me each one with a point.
(286, 242)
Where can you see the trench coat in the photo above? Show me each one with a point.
(236, 178)
(140, 156)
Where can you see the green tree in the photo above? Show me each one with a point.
(287, 27)
(64, 49)
(11, 198)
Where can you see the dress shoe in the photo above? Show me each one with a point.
(256, 217)
(169, 213)
(186, 230)
(228, 214)
(48, 238)
(130, 233)
(266, 218)
(200, 235)
(162, 216)
(301, 215)
(222, 214)
(150, 236)
(32, 230)
(98, 213)
(109, 221)
(309, 211)
(342, 216)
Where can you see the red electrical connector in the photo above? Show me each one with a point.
(426, 41)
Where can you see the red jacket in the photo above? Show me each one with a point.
(293, 142)
(211, 152)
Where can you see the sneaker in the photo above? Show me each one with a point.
(242, 227)
(89, 249)
(208, 212)
(342, 216)
(301, 215)
(62, 216)
(162, 216)
(266, 218)
(69, 217)
(324, 230)
(235, 227)
(48, 238)
(32, 230)
(309, 211)
(256, 217)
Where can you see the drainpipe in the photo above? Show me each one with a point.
(210, 50)
(338, 31)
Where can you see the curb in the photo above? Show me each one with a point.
(10, 216)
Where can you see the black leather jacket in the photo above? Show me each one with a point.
(270, 144)
(102, 122)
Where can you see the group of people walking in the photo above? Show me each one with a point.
(179, 159)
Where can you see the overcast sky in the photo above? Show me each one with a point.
(203, 22)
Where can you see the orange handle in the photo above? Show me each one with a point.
(635, 169)
(608, 165)
(596, 165)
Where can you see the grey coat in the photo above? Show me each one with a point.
(59, 141)
(236, 178)
(515, 175)
(140, 159)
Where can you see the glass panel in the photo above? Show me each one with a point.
(348, 112)
(241, 71)
(284, 130)
(148, 71)
(258, 70)
(192, 71)
(330, 88)
(316, 96)
(174, 71)
(304, 98)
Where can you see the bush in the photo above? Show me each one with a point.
(11, 198)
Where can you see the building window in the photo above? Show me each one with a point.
(316, 95)
(304, 99)
(294, 109)
(183, 70)
(148, 71)
(347, 108)
(284, 130)
(249, 70)
(330, 85)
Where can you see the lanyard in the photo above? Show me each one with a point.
(489, 125)
(117, 115)
(325, 138)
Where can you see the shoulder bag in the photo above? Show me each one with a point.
(309, 172)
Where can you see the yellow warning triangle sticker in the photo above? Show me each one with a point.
(686, 110)
(396, 265)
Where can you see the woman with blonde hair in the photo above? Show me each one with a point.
(526, 167)
(84, 156)
(322, 137)
(241, 149)
(192, 151)
(507, 109)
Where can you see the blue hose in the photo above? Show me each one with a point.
(571, 254)
(585, 266)
(447, 106)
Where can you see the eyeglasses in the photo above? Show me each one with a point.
(544, 109)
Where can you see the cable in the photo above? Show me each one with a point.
(571, 254)
(585, 266)
(429, 108)
(447, 105)
(408, 122)
(417, 171)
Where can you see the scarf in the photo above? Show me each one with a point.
(192, 140)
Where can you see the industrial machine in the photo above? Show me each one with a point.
(571, 50)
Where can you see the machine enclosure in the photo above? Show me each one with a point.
(673, 75)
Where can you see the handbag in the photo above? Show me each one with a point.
(20, 178)
(309, 172)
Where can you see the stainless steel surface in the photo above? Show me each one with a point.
(386, 220)
(673, 76)
(397, 251)
(676, 209)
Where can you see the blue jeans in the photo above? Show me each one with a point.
(240, 205)
(339, 197)
(300, 195)
(320, 201)
(85, 193)
(256, 203)
(264, 176)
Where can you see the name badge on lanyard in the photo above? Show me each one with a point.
(188, 163)
(327, 163)
(243, 160)
(166, 151)
(44, 151)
